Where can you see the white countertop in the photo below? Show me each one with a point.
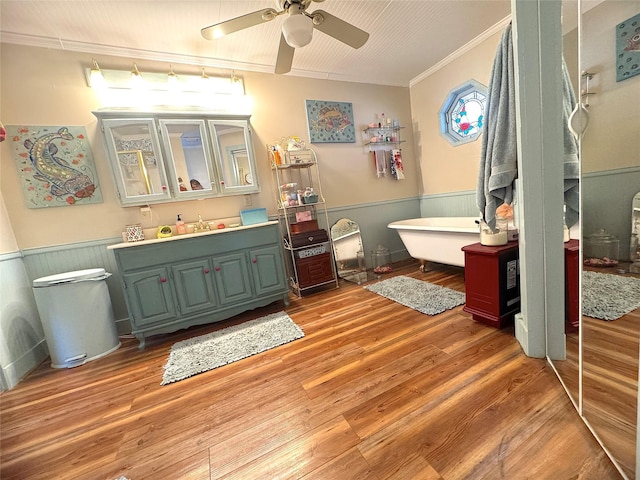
(189, 235)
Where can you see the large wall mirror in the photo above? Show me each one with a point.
(600, 371)
(171, 156)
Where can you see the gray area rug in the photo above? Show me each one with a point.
(609, 297)
(213, 350)
(422, 296)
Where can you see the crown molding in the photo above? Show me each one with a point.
(462, 50)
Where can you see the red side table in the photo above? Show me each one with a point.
(571, 283)
(492, 283)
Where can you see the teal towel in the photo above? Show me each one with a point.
(498, 160)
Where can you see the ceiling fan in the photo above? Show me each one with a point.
(297, 28)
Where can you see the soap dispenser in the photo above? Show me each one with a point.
(180, 226)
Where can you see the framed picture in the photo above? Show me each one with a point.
(330, 122)
(55, 165)
(628, 48)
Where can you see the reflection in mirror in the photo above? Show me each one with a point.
(140, 169)
(348, 251)
(186, 143)
(601, 369)
(234, 161)
(634, 243)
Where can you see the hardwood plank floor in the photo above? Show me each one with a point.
(609, 381)
(374, 391)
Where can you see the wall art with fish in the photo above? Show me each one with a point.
(55, 165)
(628, 48)
(330, 122)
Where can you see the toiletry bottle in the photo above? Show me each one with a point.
(180, 226)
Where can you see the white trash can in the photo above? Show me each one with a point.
(77, 318)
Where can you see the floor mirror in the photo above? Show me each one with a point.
(600, 372)
(348, 251)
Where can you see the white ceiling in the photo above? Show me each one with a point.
(407, 37)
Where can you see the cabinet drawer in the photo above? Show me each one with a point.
(314, 270)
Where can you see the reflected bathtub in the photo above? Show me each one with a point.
(438, 239)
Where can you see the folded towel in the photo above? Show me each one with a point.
(571, 155)
(379, 157)
(396, 167)
(498, 159)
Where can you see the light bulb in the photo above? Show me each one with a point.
(172, 79)
(297, 29)
(96, 78)
(136, 79)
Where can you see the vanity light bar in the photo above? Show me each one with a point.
(218, 84)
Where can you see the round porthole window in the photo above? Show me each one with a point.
(462, 114)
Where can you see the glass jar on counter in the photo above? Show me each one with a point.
(601, 249)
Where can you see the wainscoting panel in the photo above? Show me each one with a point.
(606, 203)
(454, 204)
(22, 342)
(373, 219)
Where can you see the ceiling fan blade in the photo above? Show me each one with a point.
(339, 29)
(285, 56)
(239, 23)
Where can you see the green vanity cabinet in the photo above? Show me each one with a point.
(193, 279)
(193, 282)
(232, 278)
(266, 266)
(150, 296)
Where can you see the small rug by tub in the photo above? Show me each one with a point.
(213, 350)
(609, 297)
(422, 296)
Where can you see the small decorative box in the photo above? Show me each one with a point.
(134, 233)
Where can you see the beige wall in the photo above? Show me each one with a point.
(47, 87)
(445, 168)
(8, 242)
(611, 140)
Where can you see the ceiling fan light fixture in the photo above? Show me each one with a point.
(297, 29)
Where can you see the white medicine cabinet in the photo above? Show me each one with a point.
(169, 156)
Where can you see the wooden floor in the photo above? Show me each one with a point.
(373, 391)
(610, 381)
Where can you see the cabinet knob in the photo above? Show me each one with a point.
(255, 260)
(163, 279)
(206, 270)
(217, 268)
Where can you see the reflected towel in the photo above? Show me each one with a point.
(396, 167)
(380, 159)
(571, 156)
(498, 159)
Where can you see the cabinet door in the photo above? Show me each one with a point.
(150, 297)
(235, 157)
(233, 282)
(266, 266)
(194, 286)
(190, 164)
(137, 162)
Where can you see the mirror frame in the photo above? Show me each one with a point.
(157, 123)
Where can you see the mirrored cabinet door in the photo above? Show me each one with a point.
(186, 143)
(234, 152)
(137, 161)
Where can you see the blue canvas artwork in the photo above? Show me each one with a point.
(330, 122)
(628, 48)
(55, 165)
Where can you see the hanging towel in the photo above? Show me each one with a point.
(571, 155)
(498, 160)
(396, 168)
(381, 162)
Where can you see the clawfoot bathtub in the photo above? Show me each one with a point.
(438, 239)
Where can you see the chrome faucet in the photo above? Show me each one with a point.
(201, 226)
